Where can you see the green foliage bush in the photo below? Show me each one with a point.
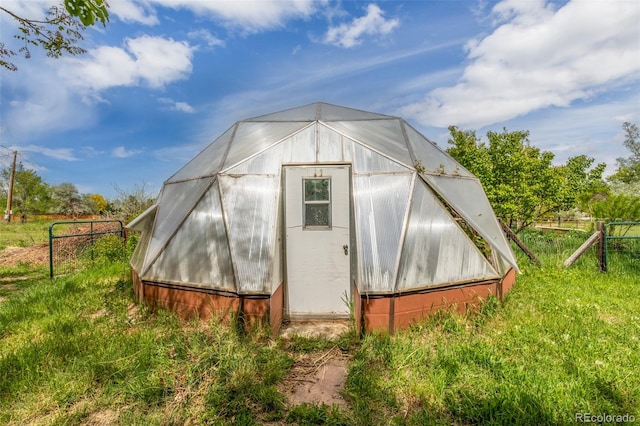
(110, 248)
(107, 249)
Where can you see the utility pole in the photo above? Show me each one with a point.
(10, 194)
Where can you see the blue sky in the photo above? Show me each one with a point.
(166, 77)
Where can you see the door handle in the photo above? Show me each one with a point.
(346, 249)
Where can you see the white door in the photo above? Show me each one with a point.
(317, 209)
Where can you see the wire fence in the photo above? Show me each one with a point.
(623, 247)
(555, 246)
(74, 244)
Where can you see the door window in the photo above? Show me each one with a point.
(317, 203)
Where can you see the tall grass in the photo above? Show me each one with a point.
(76, 347)
(77, 350)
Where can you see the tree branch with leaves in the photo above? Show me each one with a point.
(58, 33)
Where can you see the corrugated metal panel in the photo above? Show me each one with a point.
(432, 157)
(385, 136)
(250, 206)
(253, 137)
(174, 203)
(198, 253)
(267, 162)
(143, 224)
(500, 264)
(330, 147)
(207, 162)
(137, 257)
(301, 147)
(367, 161)
(380, 203)
(467, 197)
(436, 251)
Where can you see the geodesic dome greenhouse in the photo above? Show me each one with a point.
(316, 212)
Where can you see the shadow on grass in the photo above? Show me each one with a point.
(509, 408)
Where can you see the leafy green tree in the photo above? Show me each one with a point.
(520, 180)
(66, 199)
(616, 208)
(579, 183)
(97, 203)
(626, 179)
(515, 175)
(58, 33)
(470, 151)
(30, 192)
(131, 202)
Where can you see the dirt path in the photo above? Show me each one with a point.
(33, 255)
(317, 377)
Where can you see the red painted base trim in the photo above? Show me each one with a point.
(386, 313)
(254, 310)
(507, 283)
(395, 312)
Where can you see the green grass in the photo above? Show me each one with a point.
(16, 234)
(77, 347)
(77, 350)
(565, 342)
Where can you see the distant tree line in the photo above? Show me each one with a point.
(32, 195)
(524, 186)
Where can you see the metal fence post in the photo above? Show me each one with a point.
(51, 250)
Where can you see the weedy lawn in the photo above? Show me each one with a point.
(77, 350)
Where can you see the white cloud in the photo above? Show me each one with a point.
(155, 61)
(251, 17)
(207, 37)
(593, 129)
(371, 24)
(184, 107)
(538, 57)
(177, 106)
(121, 152)
(131, 11)
(40, 103)
(160, 61)
(65, 154)
(29, 9)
